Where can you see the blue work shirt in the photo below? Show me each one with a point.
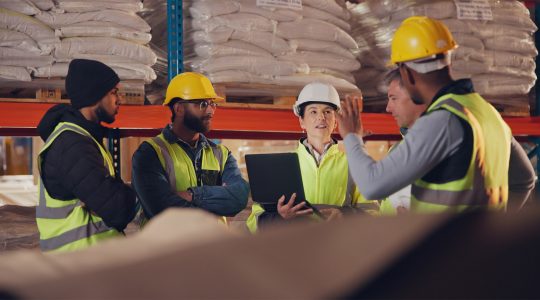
(151, 182)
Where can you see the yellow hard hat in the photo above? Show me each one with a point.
(190, 86)
(419, 37)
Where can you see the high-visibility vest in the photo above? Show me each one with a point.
(180, 169)
(328, 185)
(66, 225)
(485, 184)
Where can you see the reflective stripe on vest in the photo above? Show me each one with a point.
(65, 224)
(328, 185)
(179, 166)
(486, 181)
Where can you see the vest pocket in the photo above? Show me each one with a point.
(210, 177)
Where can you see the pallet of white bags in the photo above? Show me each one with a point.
(259, 96)
(52, 90)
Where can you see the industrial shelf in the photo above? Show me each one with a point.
(21, 119)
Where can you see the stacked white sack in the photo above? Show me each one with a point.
(498, 54)
(237, 41)
(25, 42)
(108, 31)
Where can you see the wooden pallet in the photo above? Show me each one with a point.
(516, 106)
(53, 91)
(260, 96)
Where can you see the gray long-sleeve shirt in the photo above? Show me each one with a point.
(433, 138)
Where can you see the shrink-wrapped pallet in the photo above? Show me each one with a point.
(240, 41)
(496, 48)
(39, 34)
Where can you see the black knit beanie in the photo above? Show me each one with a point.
(88, 81)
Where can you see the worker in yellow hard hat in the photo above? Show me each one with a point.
(181, 167)
(460, 154)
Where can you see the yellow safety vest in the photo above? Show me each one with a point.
(179, 167)
(326, 185)
(485, 184)
(65, 225)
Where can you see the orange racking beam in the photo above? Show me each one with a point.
(21, 119)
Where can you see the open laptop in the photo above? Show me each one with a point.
(274, 175)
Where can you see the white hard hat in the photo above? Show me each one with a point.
(317, 92)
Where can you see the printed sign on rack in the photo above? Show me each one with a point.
(479, 10)
(290, 4)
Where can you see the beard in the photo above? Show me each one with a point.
(103, 115)
(196, 124)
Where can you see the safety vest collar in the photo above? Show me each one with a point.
(458, 87)
(171, 138)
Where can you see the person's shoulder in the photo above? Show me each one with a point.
(144, 149)
(73, 141)
(436, 119)
(338, 151)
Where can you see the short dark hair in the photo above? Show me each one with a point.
(393, 75)
(302, 108)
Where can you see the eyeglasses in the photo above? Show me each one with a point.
(203, 104)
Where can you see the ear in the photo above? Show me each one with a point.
(409, 75)
(178, 108)
(301, 123)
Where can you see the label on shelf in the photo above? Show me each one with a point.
(291, 4)
(474, 10)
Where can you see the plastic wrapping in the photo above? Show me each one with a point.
(88, 6)
(313, 41)
(20, 58)
(240, 21)
(18, 40)
(15, 73)
(70, 47)
(24, 7)
(320, 46)
(108, 31)
(103, 29)
(489, 49)
(38, 31)
(314, 13)
(265, 40)
(57, 20)
(280, 15)
(253, 64)
(330, 6)
(124, 71)
(301, 79)
(323, 60)
(234, 47)
(43, 5)
(316, 30)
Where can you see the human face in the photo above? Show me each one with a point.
(319, 120)
(108, 107)
(198, 116)
(401, 106)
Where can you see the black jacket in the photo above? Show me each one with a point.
(72, 167)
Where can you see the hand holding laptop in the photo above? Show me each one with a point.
(290, 210)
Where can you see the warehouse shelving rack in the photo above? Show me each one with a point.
(21, 119)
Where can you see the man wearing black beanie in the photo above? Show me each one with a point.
(81, 199)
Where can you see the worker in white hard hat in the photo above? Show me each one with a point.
(323, 165)
(460, 154)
